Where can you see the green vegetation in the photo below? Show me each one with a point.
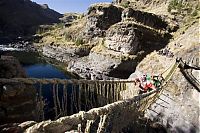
(184, 8)
(176, 5)
(59, 25)
(68, 36)
(125, 4)
(79, 41)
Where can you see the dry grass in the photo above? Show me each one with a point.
(57, 33)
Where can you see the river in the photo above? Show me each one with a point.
(36, 66)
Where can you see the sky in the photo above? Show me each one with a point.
(64, 6)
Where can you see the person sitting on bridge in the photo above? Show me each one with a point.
(146, 83)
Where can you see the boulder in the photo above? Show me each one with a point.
(123, 37)
(100, 17)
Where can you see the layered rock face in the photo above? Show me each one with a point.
(129, 37)
(144, 18)
(123, 37)
(17, 101)
(99, 18)
(125, 32)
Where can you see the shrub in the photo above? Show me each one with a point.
(175, 4)
(68, 36)
(79, 41)
(195, 13)
(125, 4)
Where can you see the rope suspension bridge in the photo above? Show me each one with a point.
(91, 105)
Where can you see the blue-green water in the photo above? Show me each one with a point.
(36, 66)
(44, 71)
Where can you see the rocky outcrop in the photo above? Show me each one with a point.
(96, 66)
(144, 18)
(129, 37)
(99, 18)
(123, 37)
(65, 54)
(17, 101)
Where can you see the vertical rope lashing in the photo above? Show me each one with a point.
(96, 93)
(99, 93)
(54, 100)
(104, 90)
(120, 89)
(93, 94)
(117, 91)
(90, 94)
(43, 103)
(100, 87)
(85, 93)
(79, 96)
(112, 91)
(124, 86)
(71, 100)
(62, 102)
(79, 128)
(75, 97)
(57, 97)
(102, 124)
(65, 99)
(107, 92)
(88, 126)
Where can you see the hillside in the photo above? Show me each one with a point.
(21, 17)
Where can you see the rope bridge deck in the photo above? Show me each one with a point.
(85, 95)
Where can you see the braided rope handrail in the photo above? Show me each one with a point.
(68, 122)
(56, 80)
